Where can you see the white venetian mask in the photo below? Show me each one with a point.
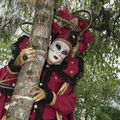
(58, 51)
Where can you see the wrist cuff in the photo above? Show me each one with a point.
(13, 67)
(49, 95)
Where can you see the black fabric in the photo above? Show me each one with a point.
(15, 46)
(13, 67)
(7, 89)
(72, 38)
(47, 71)
(73, 80)
(69, 116)
(38, 112)
(81, 68)
(67, 78)
(49, 95)
(46, 74)
(58, 69)
(15, 53)
(54, 36)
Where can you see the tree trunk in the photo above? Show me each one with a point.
(29, 76)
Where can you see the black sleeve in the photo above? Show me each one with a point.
(49, 95)
(7, 89)
(81, 68)
(13, 67)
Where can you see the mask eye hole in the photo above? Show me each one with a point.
(58, 46)
(64, 52)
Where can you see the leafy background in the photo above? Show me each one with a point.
(99, 89)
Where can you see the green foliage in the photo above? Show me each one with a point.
(5, 49)
(107, 113)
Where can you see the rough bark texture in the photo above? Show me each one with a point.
(28, 78)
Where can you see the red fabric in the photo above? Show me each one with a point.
(64, 33)
(82, 46)
(55, 28)
(6, 74)
(23, 44)
(2, 104)
(4, 99)
(82, 24)
(65, 13)
(87, 37)
(72, 68)
(55, 82)
(65, 104)
(32, 116)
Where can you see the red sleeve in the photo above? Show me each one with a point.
(2, 104)
(6, 76)
(65, 104)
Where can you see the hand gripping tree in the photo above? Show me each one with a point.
(28, 78)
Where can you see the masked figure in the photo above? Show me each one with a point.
(54, 98)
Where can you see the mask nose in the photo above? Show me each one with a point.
(59, 53)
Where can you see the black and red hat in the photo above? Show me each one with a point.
(68, 36)
(71, 36)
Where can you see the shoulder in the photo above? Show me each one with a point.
(74, 66)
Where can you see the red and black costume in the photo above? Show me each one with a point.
(52, 78)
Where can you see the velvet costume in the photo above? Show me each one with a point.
(65, 104)
(53, 77)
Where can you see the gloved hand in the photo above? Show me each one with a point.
(25, 56)
(43, 94)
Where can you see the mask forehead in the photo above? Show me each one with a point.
(62, 44)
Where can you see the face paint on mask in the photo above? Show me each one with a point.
(58, 51)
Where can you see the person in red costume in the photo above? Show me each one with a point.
(54, 98)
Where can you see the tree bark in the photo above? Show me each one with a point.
(29, 76)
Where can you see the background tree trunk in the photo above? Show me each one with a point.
(28, 78)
